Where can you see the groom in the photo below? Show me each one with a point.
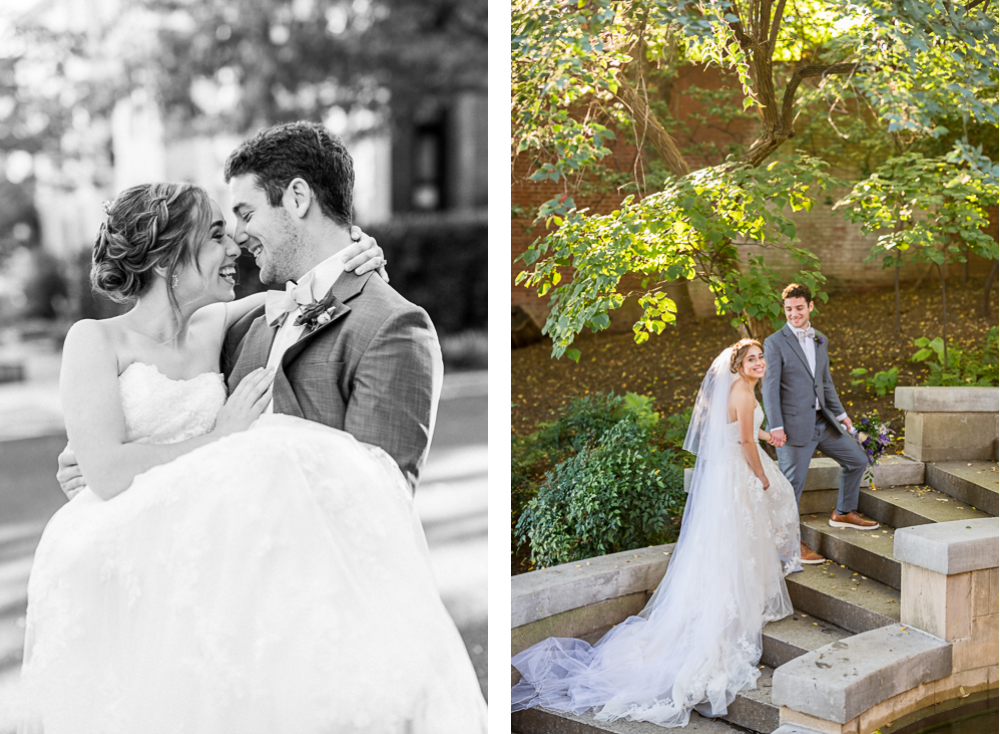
(349, 351)
(365, 360)
(803, 411)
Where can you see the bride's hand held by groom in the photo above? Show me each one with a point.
(777, 438)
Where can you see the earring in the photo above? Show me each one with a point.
(174, 281)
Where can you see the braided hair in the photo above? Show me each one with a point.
(147, 227)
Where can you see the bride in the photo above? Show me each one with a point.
(698, 640)
(223, 571)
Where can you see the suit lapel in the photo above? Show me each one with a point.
(820, 354)
(346, 287)
(797, 348)
(256, 348)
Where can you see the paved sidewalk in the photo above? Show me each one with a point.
(451, 502)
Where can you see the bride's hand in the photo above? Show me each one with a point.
(364, 254)
(764, 483)
(246, 403)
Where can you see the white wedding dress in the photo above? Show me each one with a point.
(697, 643)
(276, 580)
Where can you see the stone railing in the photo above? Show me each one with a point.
(577, 598)
(950, 423)
(944, 649)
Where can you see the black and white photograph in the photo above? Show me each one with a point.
(243, 366)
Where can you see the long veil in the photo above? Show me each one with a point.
(697, 642)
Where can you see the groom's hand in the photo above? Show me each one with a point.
(777, 438)
(364, 255)
(69, 476)
(847, 423)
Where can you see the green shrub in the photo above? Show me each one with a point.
(612, 480)
(880, 383)
(976, 367)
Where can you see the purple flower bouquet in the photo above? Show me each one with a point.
(874, 437)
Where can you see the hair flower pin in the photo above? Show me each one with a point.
(107, 206)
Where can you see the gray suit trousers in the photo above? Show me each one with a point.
(794, 463)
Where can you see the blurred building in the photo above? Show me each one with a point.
(428, 158)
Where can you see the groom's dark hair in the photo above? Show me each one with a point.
(305, 150)
(796, 290)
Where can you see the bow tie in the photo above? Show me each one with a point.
(804, 334)
(279, 304)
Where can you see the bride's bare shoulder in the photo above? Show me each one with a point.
(92, 342)
(741, 396)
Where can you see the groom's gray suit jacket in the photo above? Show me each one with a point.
(374, 370)
(790, 390)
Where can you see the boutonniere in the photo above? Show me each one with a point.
(317, 314)
(818, 339)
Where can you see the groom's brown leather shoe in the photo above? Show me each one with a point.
(851, 520)
(809, 556)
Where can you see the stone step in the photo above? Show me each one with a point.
(795, 635)
(820, 492)
(869, 552)
(903, 507)
(843, 597)
(753, 709)
(543, 721)
(974, 482)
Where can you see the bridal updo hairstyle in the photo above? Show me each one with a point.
(740, 350)
(147, 226)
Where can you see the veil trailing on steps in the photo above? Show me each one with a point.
(697, 642)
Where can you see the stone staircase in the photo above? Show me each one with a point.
(855, 591)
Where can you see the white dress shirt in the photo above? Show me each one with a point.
(321, 278)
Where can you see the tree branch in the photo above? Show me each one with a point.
(775, 24)
(804, 72)
(658, 135)
(779, 130)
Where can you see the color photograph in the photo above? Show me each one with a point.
(754, 366)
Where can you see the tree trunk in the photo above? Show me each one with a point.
(989, 288)
(754, 328)
(896, 329)
(944, 316)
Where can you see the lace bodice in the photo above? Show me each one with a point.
(758, 420)
(158, 409)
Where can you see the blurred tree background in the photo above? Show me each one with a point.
(97, 95)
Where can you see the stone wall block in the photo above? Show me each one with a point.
(984, 632)
(921, 399)
(791, 716)
(958, 607)
(983, 581)
(923, 599)
(896, 707)
(970, 654)
(950, 436)
(959, 684)
(994, 585)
